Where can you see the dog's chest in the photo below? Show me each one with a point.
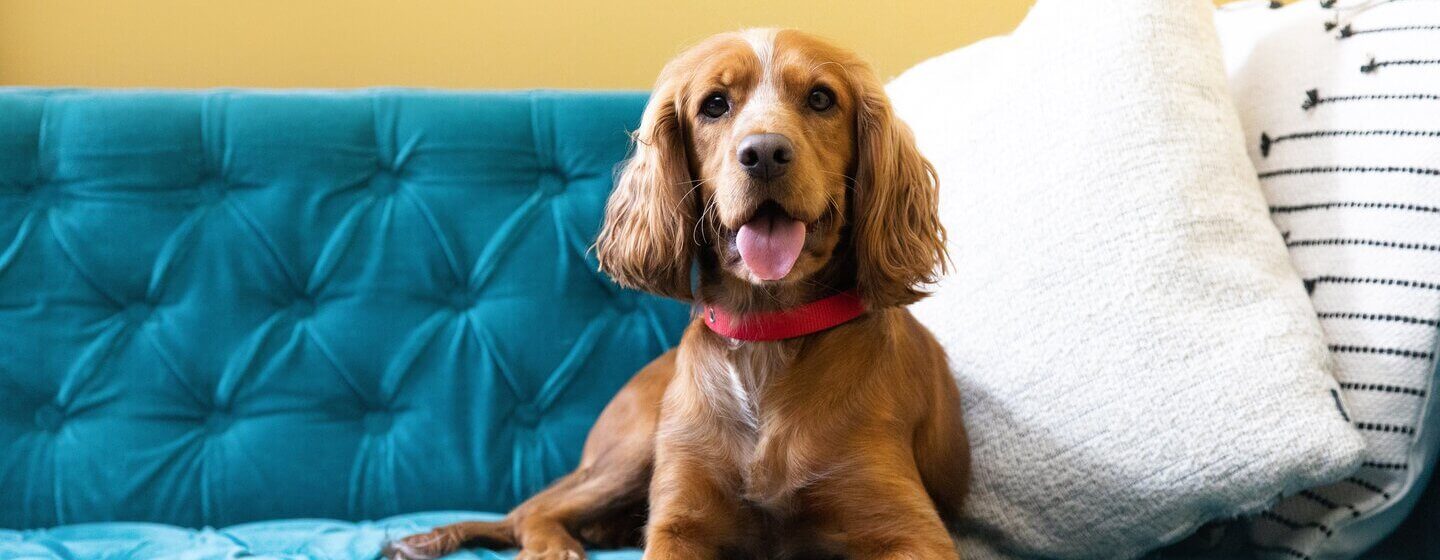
(760, 404)
(764, 457)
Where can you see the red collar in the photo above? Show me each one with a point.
(806, 319)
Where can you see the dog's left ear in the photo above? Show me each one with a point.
(899, 242)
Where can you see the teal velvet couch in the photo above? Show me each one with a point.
(299, 324)
(296, 319)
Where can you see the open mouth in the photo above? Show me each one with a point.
(770, 242)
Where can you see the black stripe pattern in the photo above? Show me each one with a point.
(1313, 98)
(1267, 141)
(1385, 428)
(1380, 317)
(1296, 525)
(1349, 31)
(1334, 242)
(1283, 551)
(1381, 387)
(1282, 209)
(1368, 486)
(1351, 169)
(1373, 65)
(1328, 503)
(1397, 352)
(1396, 282)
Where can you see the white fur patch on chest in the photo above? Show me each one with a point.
(735, 378)
(745, 397)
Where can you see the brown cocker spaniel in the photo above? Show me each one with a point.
(805, 413)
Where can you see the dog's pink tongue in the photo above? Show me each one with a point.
(770, 244)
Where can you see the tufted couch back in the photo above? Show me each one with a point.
(229, 306)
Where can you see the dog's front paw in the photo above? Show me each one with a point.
(563, 554)
(424, 546)
(559, 547)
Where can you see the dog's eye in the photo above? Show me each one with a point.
(715, 106)
(820, 99)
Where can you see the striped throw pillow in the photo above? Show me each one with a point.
(1340, 101)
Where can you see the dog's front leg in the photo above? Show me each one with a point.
(694, 513)
(884, 513)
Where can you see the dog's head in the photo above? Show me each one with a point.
(769, 156)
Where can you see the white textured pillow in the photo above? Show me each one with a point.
(1136, 353)
(1341, 110)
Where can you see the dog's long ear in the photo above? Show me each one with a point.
(645, 242)
(899, 241)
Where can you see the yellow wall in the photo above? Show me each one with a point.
(441, 43)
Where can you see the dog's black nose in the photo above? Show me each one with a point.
(765, 156)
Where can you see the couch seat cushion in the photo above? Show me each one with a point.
(285, 538)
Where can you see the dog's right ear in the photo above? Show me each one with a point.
(645, 242)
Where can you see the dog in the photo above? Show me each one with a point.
(805, 412)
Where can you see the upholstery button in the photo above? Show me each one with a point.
(377, 422)
(526, 415)
(460, 301)
(138, 311)
(43, 198)
(551, 181)
(384, 183)
(303, 307)
(211, 190)
(217, 422)
(49, 417)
